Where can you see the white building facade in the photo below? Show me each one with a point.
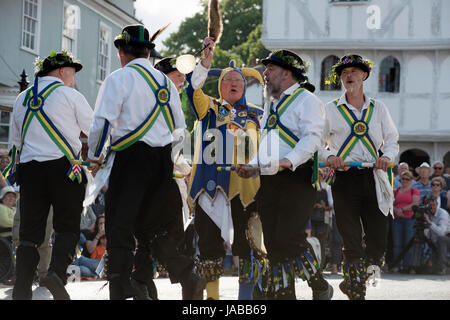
(409, 43)
(33, 28)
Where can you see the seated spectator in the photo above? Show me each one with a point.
(439, 233)
(8, 198)
(438, 190)
(99, 231)
(90, 239)
(423, 182)
(403, 225)
(88, 266)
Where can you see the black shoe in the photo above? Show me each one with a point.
(326, 294)
(346, 288)
(56, 287)
(192, 288)
(141, 290)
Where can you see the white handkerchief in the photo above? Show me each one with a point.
(385, 194)
(219, 210)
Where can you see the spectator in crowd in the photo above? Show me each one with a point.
(88, 266)
(335, 243)
(93, 238)
(4, 161)
(438, 190)
(423, 182)
(403, 224)
(319, 227)
(439, 233)
(99, 204)
(438, 171)
(447, 173)
(402, 167)
(8, 198)
(88, 218)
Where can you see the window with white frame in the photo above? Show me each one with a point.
(70, 27)
(5, 121)
(104, 52)
(389, 77)
(30, 27)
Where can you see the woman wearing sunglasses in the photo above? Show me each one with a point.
(438, 190)
(403, 223)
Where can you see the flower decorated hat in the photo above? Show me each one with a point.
(349, 60)
(287, 60)
(55, 61)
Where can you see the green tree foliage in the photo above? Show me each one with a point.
(241, 37)
(241, 40)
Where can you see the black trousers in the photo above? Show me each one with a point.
(210, 241)
(285, 205)
(355, 203)
(45, 184)
(143, 206)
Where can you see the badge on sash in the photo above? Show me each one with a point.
(163, 96)
(360, 128)
(272, 121)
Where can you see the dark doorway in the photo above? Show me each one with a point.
(414, 158)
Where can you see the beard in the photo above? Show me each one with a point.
(271, 90)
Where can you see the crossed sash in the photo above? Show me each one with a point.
(359, 132)
(273, 122)
(162, 94)
(35, 103)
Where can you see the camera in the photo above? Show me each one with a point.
(419, 212)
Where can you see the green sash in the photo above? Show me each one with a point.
(273, 122)
(359, 132)
(35, 109)
(162, 94)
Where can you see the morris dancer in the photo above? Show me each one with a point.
(46, 126)
(223, 201)
(140, 107)
(293, 126)
(357, 127)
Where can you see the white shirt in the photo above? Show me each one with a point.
(382, 131)
(125, 100)
(305, 118)
(440, 224)
(69, 112)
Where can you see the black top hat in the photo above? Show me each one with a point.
(287, 60)
(353, 60)
(55, 61)
(166, 65)
(135, 35)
